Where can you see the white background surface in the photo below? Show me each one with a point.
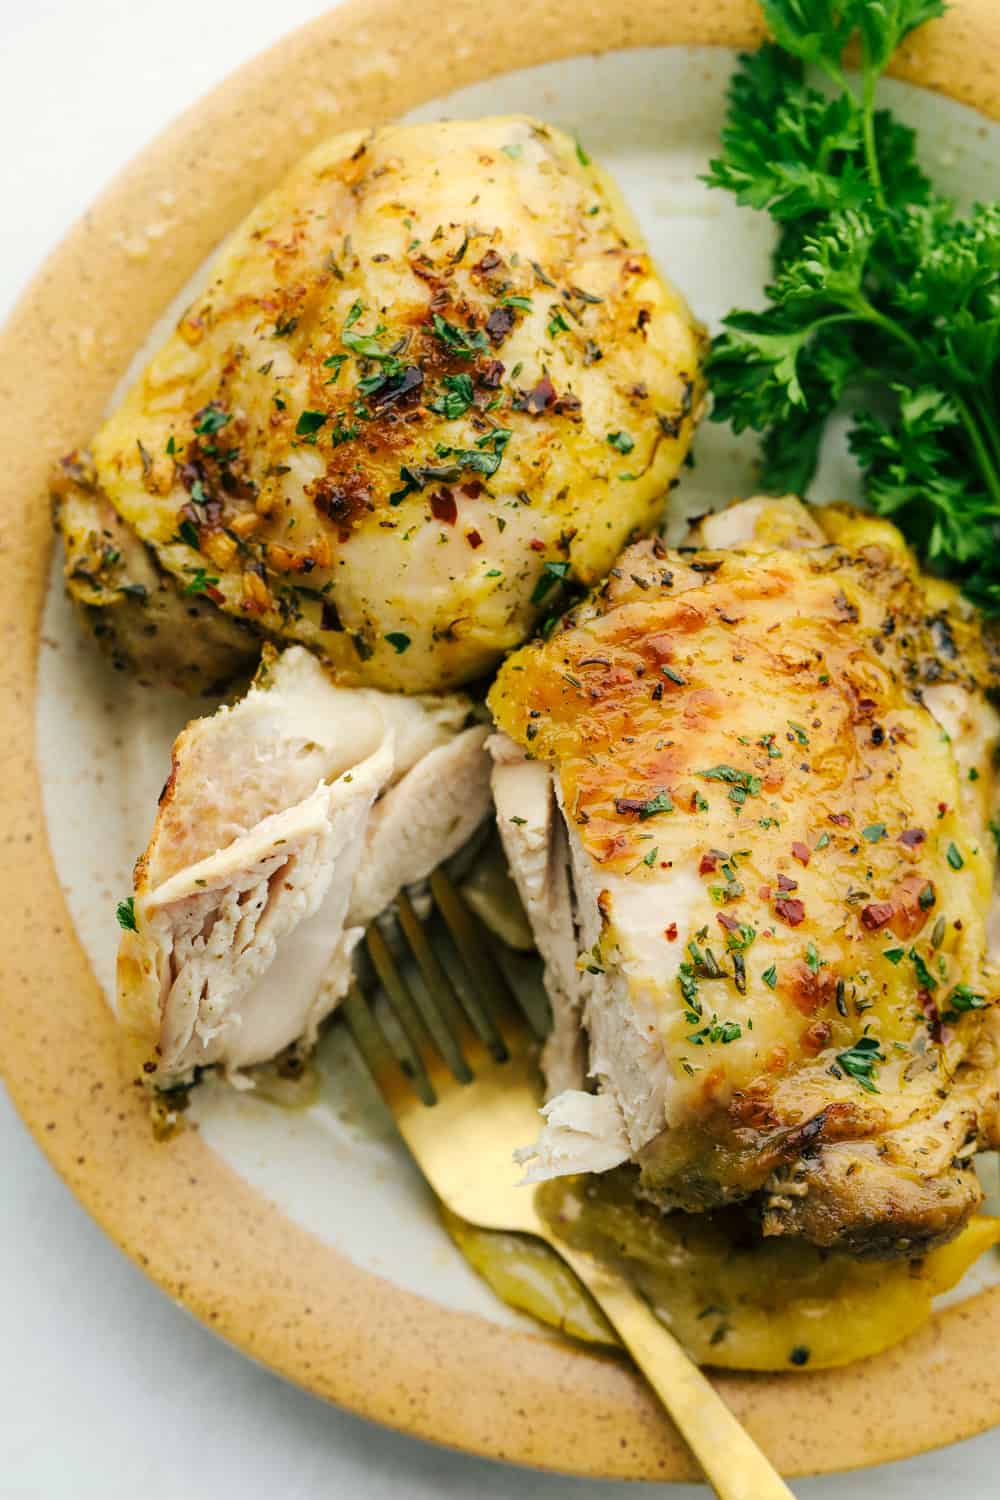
(106, 1389)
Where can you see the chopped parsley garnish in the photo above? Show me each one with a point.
(925, 978)
(342, 431)
(367, 346)
(125, 915)
(335, 363)
(513, 151)
(688, 982)
(582, 156)
(770, 976)
(674, 676)
(954, 857)
(743, 784)
(456, 398)
(646, 807)
(213, 419)
(552, 573)
(651, 857)
(557, 323)
(524, 303)
(893, 954)
(621, 441)
(963, 998)
(800, 735)
(738, 939)
(462, 341)
(485, 459)
(188, 533)
(310, 422)
(398, 641)
(874, 832)
(716, 1031)
(859, 1062)
(200, 583)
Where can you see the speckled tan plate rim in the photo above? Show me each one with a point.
(203, 1234)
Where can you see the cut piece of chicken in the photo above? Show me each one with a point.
(433, 810)
(288, 821)
(780, 875)
(583, 1133)
(398, 415)
(535, 845)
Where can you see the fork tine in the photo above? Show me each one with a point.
(442, 1010)
(471, 978)
(415, 1035)
(478, 954)
(525, 984)
(369, 1038)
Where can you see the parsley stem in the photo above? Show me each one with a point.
(868, 131)
(982, 453)
(988, 421)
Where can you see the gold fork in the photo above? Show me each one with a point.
(463, 1091)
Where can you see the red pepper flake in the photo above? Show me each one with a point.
(790, 909)
(499, 323)
(542, 396)
(708, 864)
(443, 507)
(877, 914)
(942, 809)
(472, 488)
(801, 852)
(842, 820)
(536, 544)
(474, 539)
(911, 837)
(670, 933)
(786, 883)
(216, 595)
(764, 892)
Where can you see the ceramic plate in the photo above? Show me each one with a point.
(307, 1237)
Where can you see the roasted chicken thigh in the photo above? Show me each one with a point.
(431, 377)
(763, 767)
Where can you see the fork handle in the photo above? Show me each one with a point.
(733, 1464)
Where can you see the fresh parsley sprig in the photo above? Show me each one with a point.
(880, 293)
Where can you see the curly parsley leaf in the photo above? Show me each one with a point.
(881, 296)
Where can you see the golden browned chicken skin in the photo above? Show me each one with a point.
(782, 868)
(433, 376)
